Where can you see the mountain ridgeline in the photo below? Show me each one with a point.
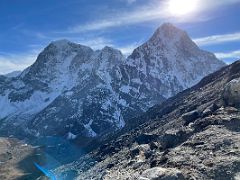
(74, 91)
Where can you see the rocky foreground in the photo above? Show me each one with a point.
(194, 135)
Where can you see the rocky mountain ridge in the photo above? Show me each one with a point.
(74, 91)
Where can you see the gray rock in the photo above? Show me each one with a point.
(209, 110)
(206, 112)
(143, 150)
(159, 173)
(172, 138)
(190, 116)
(231, 94)
(146, 138)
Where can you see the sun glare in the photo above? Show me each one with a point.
(182, 7)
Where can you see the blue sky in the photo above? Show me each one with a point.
(27, 26)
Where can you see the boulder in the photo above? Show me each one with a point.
(209, 110)
(172, 137)
(143, 149)
(146, 138)
(158, 173)
(190, 116)
(134, 152)
(206, 112)
(231, 93)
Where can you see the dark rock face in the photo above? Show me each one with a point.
(206, 148)
(72, 89)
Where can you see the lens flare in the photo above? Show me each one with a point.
(46, 172)
(182, 7)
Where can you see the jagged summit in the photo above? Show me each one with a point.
(109, 49)
(61, 42)
(66, 44)
(111, 54)
(168, 31)
(171, 56)
(169, 36)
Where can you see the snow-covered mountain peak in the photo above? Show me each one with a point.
(168, 35)
(59, 56)
(106, 58)
(111, 55)
(65, 45)
(110, 50)
(173, 58)
(61, 42)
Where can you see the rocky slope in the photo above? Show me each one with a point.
(74, 91)
(17, 160)
(194, 135)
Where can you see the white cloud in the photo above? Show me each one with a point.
(233, 54)
(91, 40)
(217, 39)
(95, 42)
(131, 1)
(156, 10)
(128, 49)
(214, 4)
(15, 62)
(142, 14)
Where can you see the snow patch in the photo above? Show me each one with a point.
(71, 136)
(107, 104)
(125, 89)
(123, 102)
(87, 126)
(118, 117)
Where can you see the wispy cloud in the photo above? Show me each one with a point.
(217, 39)
(156, 10)
(95, 43)
(128, 49)
(213, 4)
(141, 14)
(129, 2)
(227, 55)
(15, 62)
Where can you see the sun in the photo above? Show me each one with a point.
(182, 7)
